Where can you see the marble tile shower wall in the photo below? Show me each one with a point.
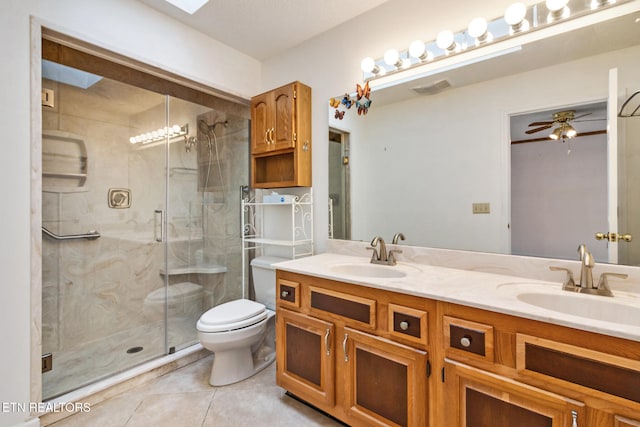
(97, 288)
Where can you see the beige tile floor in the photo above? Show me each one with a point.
(184, 398)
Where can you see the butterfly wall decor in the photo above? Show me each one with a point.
(363, 102)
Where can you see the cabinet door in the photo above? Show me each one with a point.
(283, 134)
(305, 364)
(261, 123)
(481, 399)
(385, 382)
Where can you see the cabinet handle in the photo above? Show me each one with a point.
(574, 417)
(465, 341)
(285, 294)
(326, 341)
(271, 141)
(266, 136)
(344, 347)
(404, 325)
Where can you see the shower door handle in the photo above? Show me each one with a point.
(155, 225)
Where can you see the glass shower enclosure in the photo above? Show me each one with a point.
(139, 214)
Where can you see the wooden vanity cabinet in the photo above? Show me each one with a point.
(281, 137)
(335, 351)
(502, 370)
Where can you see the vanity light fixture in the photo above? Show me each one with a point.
(447, 42)
(160, 134)
(478, 29)
(515, 17)
(518, 19)
(557, 10)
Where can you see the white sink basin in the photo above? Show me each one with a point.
(374, 271)
(620, 310)
(588, 306)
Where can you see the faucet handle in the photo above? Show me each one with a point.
(391, 257)
(603, 283)
(569, 284)
(375, 252)
(397, 236)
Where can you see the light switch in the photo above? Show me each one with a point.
(481, 208)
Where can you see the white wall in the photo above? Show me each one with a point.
(330, 64)
(126, 27)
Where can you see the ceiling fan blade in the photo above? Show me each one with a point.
(581, 115)
(540, 123)
(590, 120)
(530, 131)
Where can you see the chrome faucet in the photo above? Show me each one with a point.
(586, 269)
(396, 237)
(585, 285)
(380, 255)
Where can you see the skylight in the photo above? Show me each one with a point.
(189, 6)
(68, 75)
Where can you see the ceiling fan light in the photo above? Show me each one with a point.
(570, 131)
(556, 134)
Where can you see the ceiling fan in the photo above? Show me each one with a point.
(562, 119)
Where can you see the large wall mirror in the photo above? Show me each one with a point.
(427, 152)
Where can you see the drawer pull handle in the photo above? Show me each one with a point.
(326, 341)
(344, 347)
(465, 341)
(284, 294)
(404, 325)
(574, 417)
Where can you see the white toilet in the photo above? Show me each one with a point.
(235, 331)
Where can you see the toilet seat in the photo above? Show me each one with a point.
(232, 315)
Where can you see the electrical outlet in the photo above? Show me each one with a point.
(481, 208)
(47, 98)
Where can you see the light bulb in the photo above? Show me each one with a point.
(392, 57)
(176, 128)
(477, 27)
(515, 13)
(417, 49)
(447, 42)
(132, 140)
(555, 5)
(571, 132)
(515, 17)
(368, 65)
(557, 10)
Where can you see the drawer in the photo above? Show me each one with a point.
(408, 324)
(288, 293)
(353, 309)
(466, 339)
(615, 378)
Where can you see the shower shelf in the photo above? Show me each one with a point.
(194, 269)
(64, 160)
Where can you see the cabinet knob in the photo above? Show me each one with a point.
(404, 325)
(284, 294)
(465, 341)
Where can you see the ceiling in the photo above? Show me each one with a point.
(264, 28)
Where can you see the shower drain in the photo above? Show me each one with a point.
(134, 350)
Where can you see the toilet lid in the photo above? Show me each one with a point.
(232, 315)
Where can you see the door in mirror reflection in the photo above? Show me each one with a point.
(339, 201)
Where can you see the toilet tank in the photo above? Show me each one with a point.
(264, 279)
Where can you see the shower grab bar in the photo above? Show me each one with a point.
(91, 235)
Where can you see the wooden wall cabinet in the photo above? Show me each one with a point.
(281, 137)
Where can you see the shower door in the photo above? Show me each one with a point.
(104, 195)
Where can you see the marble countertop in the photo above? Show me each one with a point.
(488, 291)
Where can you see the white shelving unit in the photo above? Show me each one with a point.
(279, 229)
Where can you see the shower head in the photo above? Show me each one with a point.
(206, 128)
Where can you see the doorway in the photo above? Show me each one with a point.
(339, 197)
